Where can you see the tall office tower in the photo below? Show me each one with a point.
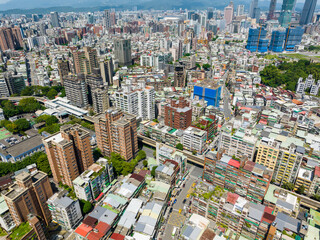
(63, 68)
(100, 99)
(139, 102)
(272, 8)
(69, 153)
(254, 38)
(93, 82)
(85, 61)
(178, 114)
(122, 51)
(76, 90)
(10, 38)
(210, 13)
(307, 11)
(277, 41)
(228, 13)
(29, 194)
(15, 82)
(179, 76)
(55, 19)
(240, 10)
(107, 19)
(106, 71)
(117, 132)
(253, 7)
(113, 18)
(286, 11)
(293, 38)
(92, 59)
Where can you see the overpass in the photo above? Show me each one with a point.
(17, 99)
(191, 158)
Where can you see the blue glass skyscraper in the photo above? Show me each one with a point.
(277, 41)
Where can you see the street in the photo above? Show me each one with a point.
(176, 219)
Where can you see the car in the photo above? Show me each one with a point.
(170, 211)
(184, 201)
(184, 185)
(188, 195)
(180, 210)
(174, 201)
(194, 184)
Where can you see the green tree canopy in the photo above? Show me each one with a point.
(52, 94)
(179, 146)
(287, 185)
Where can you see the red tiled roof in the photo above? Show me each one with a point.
(232, 197)
(83, 230)
(117, 236)
(268, 217)
(91, 221)
(234, 163)
(137, 177)
(99, 231)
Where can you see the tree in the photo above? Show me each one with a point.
(43, 164)
(194, 152)
(28, 105)
(179, 146)
(301, 189)
(85, 206)
(52, 94)
(145, 163)
(141, 155)
(154, 153)
(22, 124)
(287, 185)
(206, 66)
(153, 171)
(97, 153)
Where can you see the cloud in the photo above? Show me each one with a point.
(4, 1)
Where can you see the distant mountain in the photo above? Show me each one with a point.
(46, 6)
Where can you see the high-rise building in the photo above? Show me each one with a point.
(10, 38)
(208, 91)
(107, 19)
(63, 68)
(15, 82)
(293, 38)
(307, 11)
(93, 82)
(272, 8)
(228, 13)
(122, 51)
(69, 153)
(100, 99)
(178, 114)
(253, 9)
(240, 10)
(28, 195)
(277, 41)
(254, 37)
(55, 19)
(106, 70)
(286, 11)
(65, 211)
(76, 90)
(38, 227)
(210, 13)
(139, 102)
(117, 132)
(179, 76)
(85, 61)
(6, 220)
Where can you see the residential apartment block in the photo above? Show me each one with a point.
(69, 153)
(117, 132)
(28, 195)
(178, 114)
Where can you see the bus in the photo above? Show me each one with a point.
(174, 231)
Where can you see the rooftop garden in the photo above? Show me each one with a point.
(20, 231)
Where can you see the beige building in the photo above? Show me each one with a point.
(29, 195)
(117, 132)
(267, 153)
(69, 153)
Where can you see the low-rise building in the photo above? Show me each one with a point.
(194, 140)
(65, 211)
